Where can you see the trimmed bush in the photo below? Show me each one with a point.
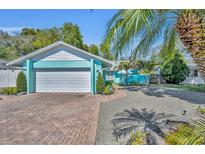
(174, 70)
(9, 91)
(21, 82)
(107, 90)
(100, 85)
(108, 83)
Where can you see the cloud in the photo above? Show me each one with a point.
(12, 30)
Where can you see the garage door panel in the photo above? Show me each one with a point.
(67, 81)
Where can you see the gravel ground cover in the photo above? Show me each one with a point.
(161, 100)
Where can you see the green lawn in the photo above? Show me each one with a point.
(190, 87)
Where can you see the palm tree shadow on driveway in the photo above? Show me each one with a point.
(152, 123)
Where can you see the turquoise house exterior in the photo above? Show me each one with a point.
(60, 67)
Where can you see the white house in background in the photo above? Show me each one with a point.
(3, 65)
(194, 75)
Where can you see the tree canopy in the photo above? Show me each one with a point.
(174, 70)
(30, 39)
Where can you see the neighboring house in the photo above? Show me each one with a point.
(193, 78)
(61, 67)
(3, 65)
(194, 75)
(119, 76)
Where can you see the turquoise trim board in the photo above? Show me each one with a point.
(62, 64)
(92, 66)
(96, 67)
(30, 76)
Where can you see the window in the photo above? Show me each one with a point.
(195, 73)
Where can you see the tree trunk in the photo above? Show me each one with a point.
(192, 33)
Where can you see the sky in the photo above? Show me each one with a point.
(92, 23)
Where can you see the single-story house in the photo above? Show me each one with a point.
(194, 76)
(61, 67)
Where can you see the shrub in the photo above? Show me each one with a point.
(174, 70)
(107, 90)
(9, 91)
(108, 83)
(21, 82)
(137, 138)
(100, 85)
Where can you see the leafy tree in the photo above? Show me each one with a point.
(70, 34)
(21, 82)
(31, 39)
(28, 32)
(106, 53)
(145, 66)
(85, 47)
(146, 26)
(94, 49)
(100, 85)
(4, 53)
(174, 70)
(45, 37)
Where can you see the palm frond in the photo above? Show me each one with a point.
(143, 47)
(124, 26)
(169, 43)
(189, 134)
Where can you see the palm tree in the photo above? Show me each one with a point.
(149, 122)
(139, 30)
(192, 133)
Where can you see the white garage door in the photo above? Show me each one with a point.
(63, 81)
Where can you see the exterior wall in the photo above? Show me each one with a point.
(194, 76)
(62, 64)
(61, 53)
(193, 80)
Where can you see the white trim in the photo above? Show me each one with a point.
(42, 50)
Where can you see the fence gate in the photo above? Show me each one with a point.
(8, 78)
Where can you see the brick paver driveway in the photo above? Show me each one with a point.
(49, 118)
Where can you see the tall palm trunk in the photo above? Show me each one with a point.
(192, 33)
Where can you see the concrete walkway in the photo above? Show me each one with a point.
(170, 101)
